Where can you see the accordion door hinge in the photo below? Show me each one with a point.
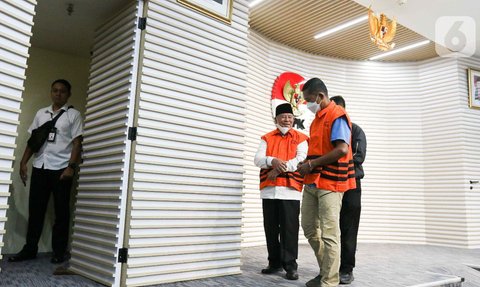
(132, 133)
(142, 23)
(122, 255)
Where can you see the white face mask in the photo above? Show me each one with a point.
(313, 106)
(283, 130)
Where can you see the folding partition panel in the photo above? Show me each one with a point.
(16, 21)
(186, 193)
(103, 183)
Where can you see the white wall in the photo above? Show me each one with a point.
(44, 67)
(409, 193)
(470, 135)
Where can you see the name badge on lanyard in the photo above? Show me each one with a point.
(52, 135)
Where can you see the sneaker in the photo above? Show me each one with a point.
(346, 277)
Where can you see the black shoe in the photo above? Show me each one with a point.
(315, 282)
(292, 275)
(22, 256)
(56, 259)
(346, 277)
(271, 270)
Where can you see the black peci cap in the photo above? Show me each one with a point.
(283, 109)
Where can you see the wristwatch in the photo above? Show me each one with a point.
(73, 165)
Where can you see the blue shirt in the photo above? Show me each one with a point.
(341, 130)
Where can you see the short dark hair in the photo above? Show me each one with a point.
(65, 83)
(339, 100)
(315, 85)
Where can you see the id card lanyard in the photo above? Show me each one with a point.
(52, 135)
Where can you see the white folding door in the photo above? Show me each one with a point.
(100, 210)
(16, 21)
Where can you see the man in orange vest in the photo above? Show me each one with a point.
(329, 172)
(278, 155)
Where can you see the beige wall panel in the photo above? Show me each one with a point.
(186, 202)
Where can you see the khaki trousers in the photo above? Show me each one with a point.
(321, 226)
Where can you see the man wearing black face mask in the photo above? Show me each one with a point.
(328, 172)
(351, 203)
(278, 154)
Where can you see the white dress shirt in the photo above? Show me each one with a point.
(263, 161)
(55, 155)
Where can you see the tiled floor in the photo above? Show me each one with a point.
(378, 265)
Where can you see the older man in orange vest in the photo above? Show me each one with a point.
(278, 155)
(328, 171)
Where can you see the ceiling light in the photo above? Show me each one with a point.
(254, 2)
(341, 27)
(399, 50)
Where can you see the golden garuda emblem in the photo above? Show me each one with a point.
(293, 95)
(382, 30)
(288, 87)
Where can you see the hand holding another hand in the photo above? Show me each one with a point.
(272, 175)
(305, 167)
(279, 165)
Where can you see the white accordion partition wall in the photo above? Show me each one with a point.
(259, 121)
(185, 211)
(103, 183)
(422, 142)
(16, 21)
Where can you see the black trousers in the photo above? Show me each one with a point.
(44, 182)
(349, 222)
(280, 221)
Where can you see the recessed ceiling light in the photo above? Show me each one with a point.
(341, 27)
(254, 2)
(399, 50)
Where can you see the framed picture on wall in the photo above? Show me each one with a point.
(218, 9)
(474, 88)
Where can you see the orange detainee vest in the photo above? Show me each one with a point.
(284, 148)
(338, 176)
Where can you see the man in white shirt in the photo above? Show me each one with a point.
(278, 155)
(53, 168)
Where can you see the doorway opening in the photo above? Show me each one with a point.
(63, 35)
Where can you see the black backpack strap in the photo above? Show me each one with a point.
(57, 116)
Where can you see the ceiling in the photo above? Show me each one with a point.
(291, 22)
(72, 34)
(421, 16)
(294, 23)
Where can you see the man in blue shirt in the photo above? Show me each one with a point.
(351, 203)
